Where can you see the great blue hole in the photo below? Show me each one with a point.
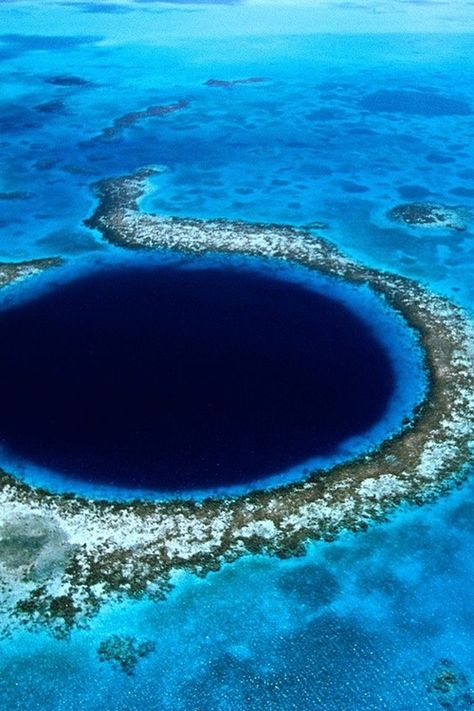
(164, 378)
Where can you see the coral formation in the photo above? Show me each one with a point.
(427, 214)
(134, 548)
(67, 80)
(450, 687)
(124, 652)
(228, 83)
(134, 116)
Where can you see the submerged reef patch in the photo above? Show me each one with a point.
(449, 686)
(50, 107)
(421, 103)
(124, 652)
(430, 215)
(134, 548)
(228, 83)
(68, 80)
(135, 116)
(15, 195)
(17, 44)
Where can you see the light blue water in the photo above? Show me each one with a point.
(298, 148)
(356, 624)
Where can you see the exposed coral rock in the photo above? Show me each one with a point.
(12, 271)
(33, 543)
(135, 548)
(427, 214)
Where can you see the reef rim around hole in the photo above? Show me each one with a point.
(104, 549)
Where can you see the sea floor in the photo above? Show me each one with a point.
(339, 129)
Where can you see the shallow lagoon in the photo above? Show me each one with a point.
(360, 623)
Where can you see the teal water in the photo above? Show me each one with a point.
(344, 127)
(357, 624)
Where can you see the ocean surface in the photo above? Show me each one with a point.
(358, 107)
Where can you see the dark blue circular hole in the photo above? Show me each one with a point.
(174, 379)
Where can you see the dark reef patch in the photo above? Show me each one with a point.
(174, 379)
(67, 80)
(17, 44)
(100, 7)
(420, 103)
(413, 192)
(227, 83)
(311, 585)
(14, 117)
(440, 158)
(325, 114)
(45, 164)
(69, 242)
(350, 187)
(135, 116)
(463, 192)
(449, 686)
(50, 107)
(429, 215)
(15, 195)
(124, 652)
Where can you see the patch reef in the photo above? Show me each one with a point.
(430, 215)
(62, 556)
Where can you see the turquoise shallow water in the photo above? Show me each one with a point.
(356, 624)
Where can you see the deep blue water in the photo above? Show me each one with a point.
(365, 105)
(172, 379)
